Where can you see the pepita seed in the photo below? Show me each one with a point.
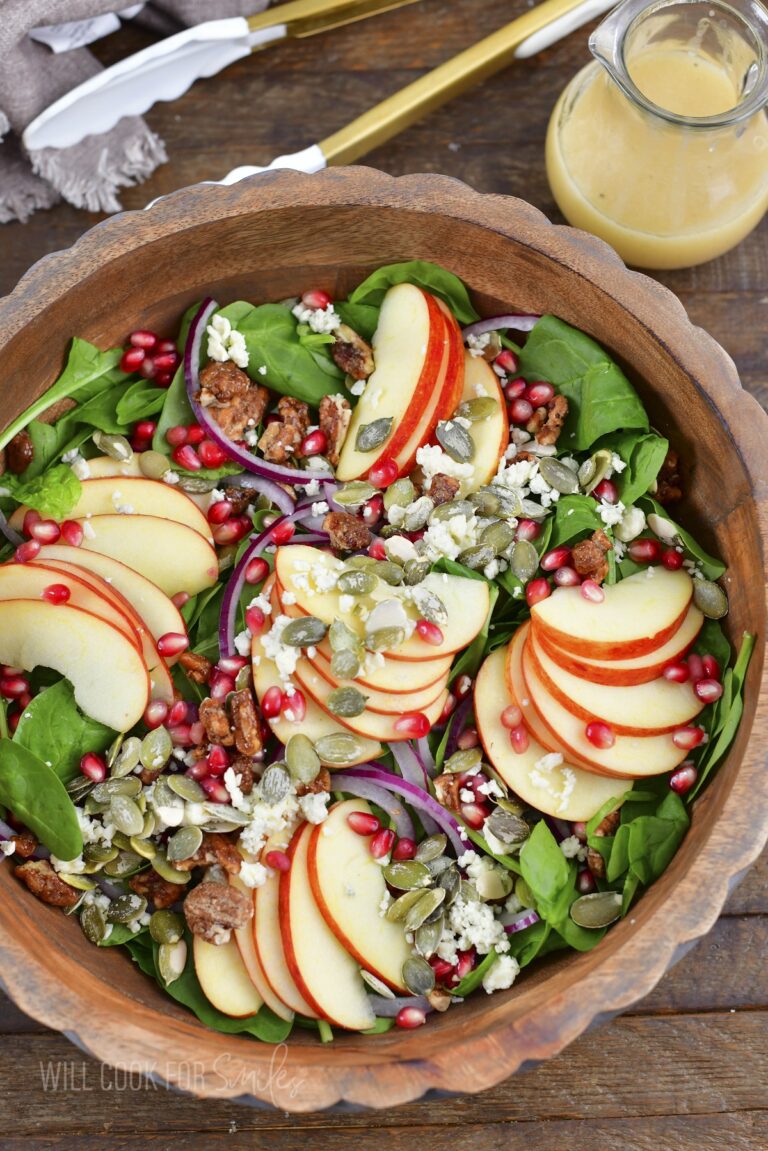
(438, 865)
(166, 926)
(494, 883)
(154, 465)
(183, 844)
(464, 760)
(121, 841)
(523, 892)
(390, 572)
(418, 514)
(480, 408)
(524, 560)
(93, 807)
(510, 502)
(427, 938)
(244, 679)
(407, 874)
(275, 784)
(399, 908)
(450, 881)
(531, 510)
(354, 494)
(171, 960)
(189, 789)
(451, 509)
(116, 447)
(127, 863)
(92, 923)
(345, 664)
(558, 475)
(414, 571)
(597, 909)
(98, 853)
(342, 638)
(356, 583)
(164, 869)
(79, 788)
(126, 815)
(156, 748)
(302, 760)
(143, 847)
(498, 536)
(361, 563)
(595, 469)
(476, 557)
(710, 599)
(418, 976)
(509, 829)
(510, 805)
(399, 494)
(423, 908)
(456, 441)
(376, 984)
(126, 908)
(196, 485)
(485, 503)
(338, 749)
(305, 632)
(127, 758)
(469, 892)
(373, 435)
(80, 882)
(430, 606)
(104, 792)
(384, 638)
(346, 702)
(431, 847)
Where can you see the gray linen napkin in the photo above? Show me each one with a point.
(90, 173)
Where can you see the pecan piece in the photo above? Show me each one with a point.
(197, 667)
(245, 720)
(215, 848)
(442, 489)
(588, 557)
(243, 767)
(148, 775)
(294, 413)
(232, 399)
(668, 482)
(19, 453)
(239, 498)
(607, 826)
(214, 718)
(321, 782)
(44, 883)
(547, 422)
(347, 532)
(161, 892)
(214, 910)
(352, 353)
(24, 843)
(447, 789)
(282, 437)
(335, 414)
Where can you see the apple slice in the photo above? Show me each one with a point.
(395, 677)
(640, 709)
(517, 688)
(107, 673)
(150, 603)
(637, 616)
(411, 350)
(562, 790)
(491, 435)
(223, 978)
(268, 940)
(102, 466)
(171, 555)
(625, 672)
(250, 957)
(29, 581)
(381, 702)
(348, 886)
(325, 973)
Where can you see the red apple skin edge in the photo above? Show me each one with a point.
(285, 927)
(594, 649)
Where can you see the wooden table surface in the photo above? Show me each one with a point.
(687, 1069)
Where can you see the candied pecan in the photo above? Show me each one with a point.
(608, 825)
(321, 782)
(156, 890)
(214, 718)
(347, 532)
(25, 844)
(555, 415)
(243, 766)
(214, 910)
(442, 489)
(279, 442)
(240, 498)
(245, 720)
(215, 848)
(19, 453)
(148, 775)
(197, 667)
(335, 414)
(440, 1000)
(43, 882)
(595, 863)
(294, 413)
(232, 399)
(668, 482)
(352, 353)
(447, 789)
(588, 557)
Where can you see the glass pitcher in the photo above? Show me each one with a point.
(660, 146)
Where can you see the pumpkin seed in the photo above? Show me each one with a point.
(98, 853)
(390, 572)
(244, 679)
(183, 844)
(418, 514)
(301, 759)
(524, 560)
(558, 475)
(510, 502)
(399, 494)
(196, 485)
(597, 909)
(595, 469)
(523, 892)
(346, 702)
(510, 805)
(126, 908)
(450, 881)
(92, 923)
(407, 874)
(126, 815)
(664, 530)
(485, 502)
(162, 796)
(188, 789)
(345, 664)
(93, 807)
(507, 828)
(227, 556)
(480, 408)
(531, 510)
(710, 599)
(339, 749)
(451, 509)
(373, 435)
(418, 976)
(456, 441)
(498, 536)
(171, 960)
(399, 908)
(356, 583)
(103, 792)
(376, 984)
(143, 847)
(79, 787)
(476, 557)
(121, 841)
(427, 937)
(360, 563)
(464, 760)
(354, 494)
(163, 868)
(414, 571)
(156, 749)
(127, 758)
(430, 848)
(438, 865)
(127, 863)
(384, 638)
(423, 908)
(430, 605)
(305, 632)
(275, 784)
(154, 465)
(494, 883)
(116, 447)
(166, 926)
(342, 638)
(80, 882)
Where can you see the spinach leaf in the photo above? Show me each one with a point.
(432, 278)
(53, 494)
(712, 568)
(712, 640)
(176, 410)
(654, 839)
(601, 399)
(729, 717)
(362, 318)
(473, 980)
(54, 729)
(528, 944)
(139, 401)
(549, 875)
(380, 1027)
(643, 453)
(37, 797)
(121, 934)
(573, 516)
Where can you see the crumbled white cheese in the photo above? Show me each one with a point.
(631, 524)
(7, 847)
(232, 781)
(253, 874)
(434, 461)
(450, 537)
(284, 656)
(320, 508)
(400, 550)
(313, 806)
(243, 643)
(501, 975)
(611, 514)
(288, 597)
(312, 488)
(476, 345)
(321, 320)
(267, 820)
(357, 388)
(69, 866)
(88, 530)
(81, 468)
(617, 463)
(573, 848)
(225, 343)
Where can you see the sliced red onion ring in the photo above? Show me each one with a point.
(411, 767)
(458, 723)
(416, 796)
(343, 781)
(6, 831)
(10, 533)
(523, 919)
(519, 322)
(246, 460)
(275, 493)
(389, 1008)
(426, 758)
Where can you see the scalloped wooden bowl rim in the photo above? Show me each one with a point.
(474, 1046)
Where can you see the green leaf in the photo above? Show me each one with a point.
(653, 840)
(361, 318)
(380, 1027)
(53, 494)
(139, 401)
(54, 729)
(729, 718)
(432, 278)
(528, 944)
(712, 568)
(122, 934)
(552, 881)
(574, 515)
(37, 797)
(643, 453)
(474, 979)
(176, 411)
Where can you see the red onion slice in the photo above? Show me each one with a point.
(416, 796)
(523, 919)
(10, 533)
(411, 767)
(519, 322)
(383, 798)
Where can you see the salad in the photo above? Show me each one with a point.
(353, 655)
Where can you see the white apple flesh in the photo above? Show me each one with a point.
(171, 555)
(250, 957)
(490, 436)
(223, 978)
(268, 939)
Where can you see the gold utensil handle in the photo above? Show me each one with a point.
(435, 88)
(306, 17)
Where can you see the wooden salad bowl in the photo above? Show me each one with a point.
(268, 238)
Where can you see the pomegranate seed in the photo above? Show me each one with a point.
(27, 551)
(142, 338)
(155, 714)
(511, 716)
(377, 551)
(475, 814)
(316, 298)
(163, 379)
(415, 725)
(6, 671)
(606, 491)
(527, 530)
(381, 844)
(383, 473)
(537, 590)
(363, 823)
(506, 360)
(315, 444)
(195, 434)
(215, 790)
(695, 666)
(179, 713)
(282, 532)
(132, 360)
(232, 531)
(462, 687)
(177, 435)
(518, 737)
(410, 1017)
(278, 861)
(180, 735)
(585, 882)
(579, 829)
(429, 632)
(272, 418)
(466, 962)
(645, 551)
(45, 531)
(539, 393)
(294, 707)
(186, 457)
(180, 598)
(468, 739)
(600, 734)
(372, 511)
(256, 571)
(14, 687)
(211, 454)
(708, 690)
(677, 673)
(14, 719)
(197, 733)
(567, 577)
(30, 519)
(272, 703)
(514, 389)
(165, 346)
(592, 591)
(172, 643)
(166, 361)
(220, 512)
(442, 968)
(404, 849)
(139, 444)
(93, 767)
(145, 429)
(56, 593)
(254, 619)
(520, 411)
(218, 760)
(557, 558)
(672, 559)
(711, 667)
(686, 738)
(232, 664)
(448, 709)
(147, 367)
(198, 770)
(72, 533)
(222, 685)
(684, 778)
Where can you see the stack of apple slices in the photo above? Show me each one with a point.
(577, 707)
(315, 927)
